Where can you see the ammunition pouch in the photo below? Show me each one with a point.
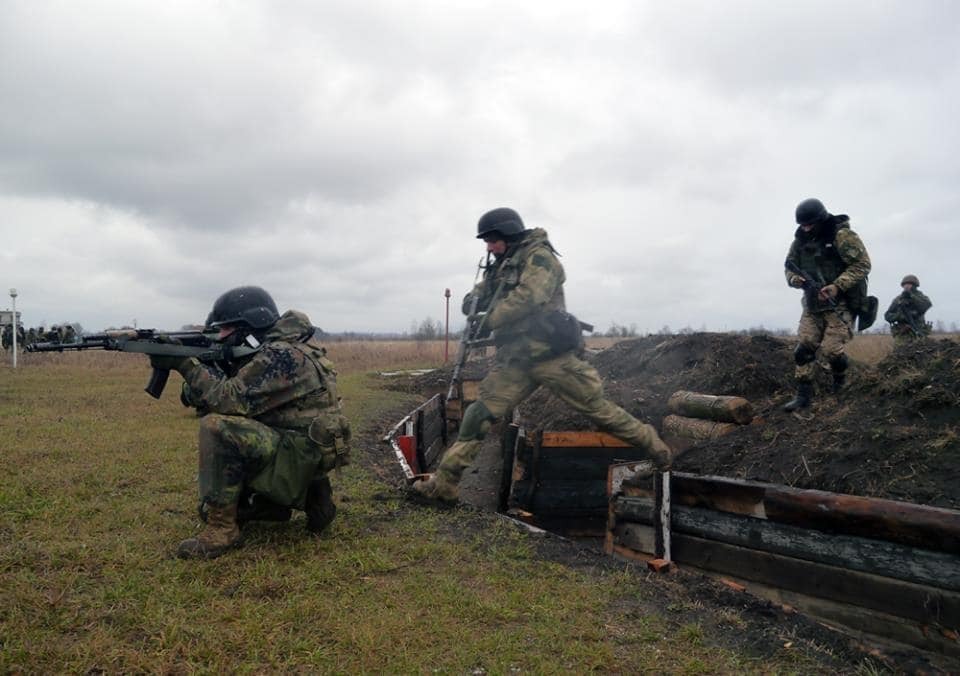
(863, 307)
(331, 432)
(561, 331)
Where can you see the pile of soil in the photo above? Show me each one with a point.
(893, 432)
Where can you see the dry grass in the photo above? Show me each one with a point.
(100, 484)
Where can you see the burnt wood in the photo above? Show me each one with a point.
(931, 528)
(878, 557)
(903, 599)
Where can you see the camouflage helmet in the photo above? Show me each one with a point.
(248, 305)
(811, 211)
(910, 279)
(505, 221)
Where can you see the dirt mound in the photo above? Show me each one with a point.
(893, 432)
(641, 374)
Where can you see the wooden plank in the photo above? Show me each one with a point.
(903, 599)
(586, 464)
(636, 537)
(578, 439)
(865, 625)
(630, 554)
(560, 497)
(855, 553)
(931, 528)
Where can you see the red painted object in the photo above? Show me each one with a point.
(408, 446)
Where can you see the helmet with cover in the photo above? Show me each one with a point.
(910, 279)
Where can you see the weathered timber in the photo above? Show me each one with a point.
(560, 497)
(903, 599)
(636, 537)
(694, 428)
(932, 528)
(577, 439)
(856, 553)
(710, 407)
(867, 624)
(661, 515)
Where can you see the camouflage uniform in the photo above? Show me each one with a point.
(272, 425)
(906, 312)
(836, 254)
(532, 287)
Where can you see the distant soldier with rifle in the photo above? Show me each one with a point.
(538, 343)
(830, 263)
(907, 312)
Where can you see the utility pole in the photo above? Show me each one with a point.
(13, 297)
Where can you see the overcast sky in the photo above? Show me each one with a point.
(339, 153)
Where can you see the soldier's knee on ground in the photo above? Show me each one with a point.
(477, 420)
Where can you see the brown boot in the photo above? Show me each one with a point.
(435, 489)
(219, 535)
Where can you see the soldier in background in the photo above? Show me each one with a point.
(537, 344)
(824, 246)
(272, 426)
(906, 314)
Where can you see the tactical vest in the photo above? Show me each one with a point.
(819, 255)
(508, 273)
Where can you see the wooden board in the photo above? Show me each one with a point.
(902, 599)
(582, 440)
(878, 557)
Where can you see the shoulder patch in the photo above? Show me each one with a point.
(540, 260)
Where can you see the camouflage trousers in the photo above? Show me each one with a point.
(828, 331)
(572, 380)
(238, 453)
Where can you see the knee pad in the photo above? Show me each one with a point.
(803, 355)
(839, 364)
(476, 422)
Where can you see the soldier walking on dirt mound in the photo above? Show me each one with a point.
(271, 426)
(907, 312)
(537, 344)
(834, 265)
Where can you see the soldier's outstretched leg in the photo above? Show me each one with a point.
(504, 387)
(578, 384)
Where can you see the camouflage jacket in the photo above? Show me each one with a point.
(906, 312)
(532, 285)
(289, 383)
(835, 254)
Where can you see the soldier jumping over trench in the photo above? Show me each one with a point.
(537, 344)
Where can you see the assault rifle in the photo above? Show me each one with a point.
(472, 332)
(911, 320)
(811, 284)
(197, 344)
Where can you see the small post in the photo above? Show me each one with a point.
(446, 344)
(662, 560)
(13, 297)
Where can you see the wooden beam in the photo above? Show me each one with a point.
(582, 440)
(903, 599)
(878, 557)
(931, 528)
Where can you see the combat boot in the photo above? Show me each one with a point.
(319, 507)
(437, 489)
(220, 534)
(838, 367)
(802, 400)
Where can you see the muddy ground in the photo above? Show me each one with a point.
(893, 432)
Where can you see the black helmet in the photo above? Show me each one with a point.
(248, 305)
(811, 211)
(910, 279)
(503, 220)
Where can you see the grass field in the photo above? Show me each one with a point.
(99, 486)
